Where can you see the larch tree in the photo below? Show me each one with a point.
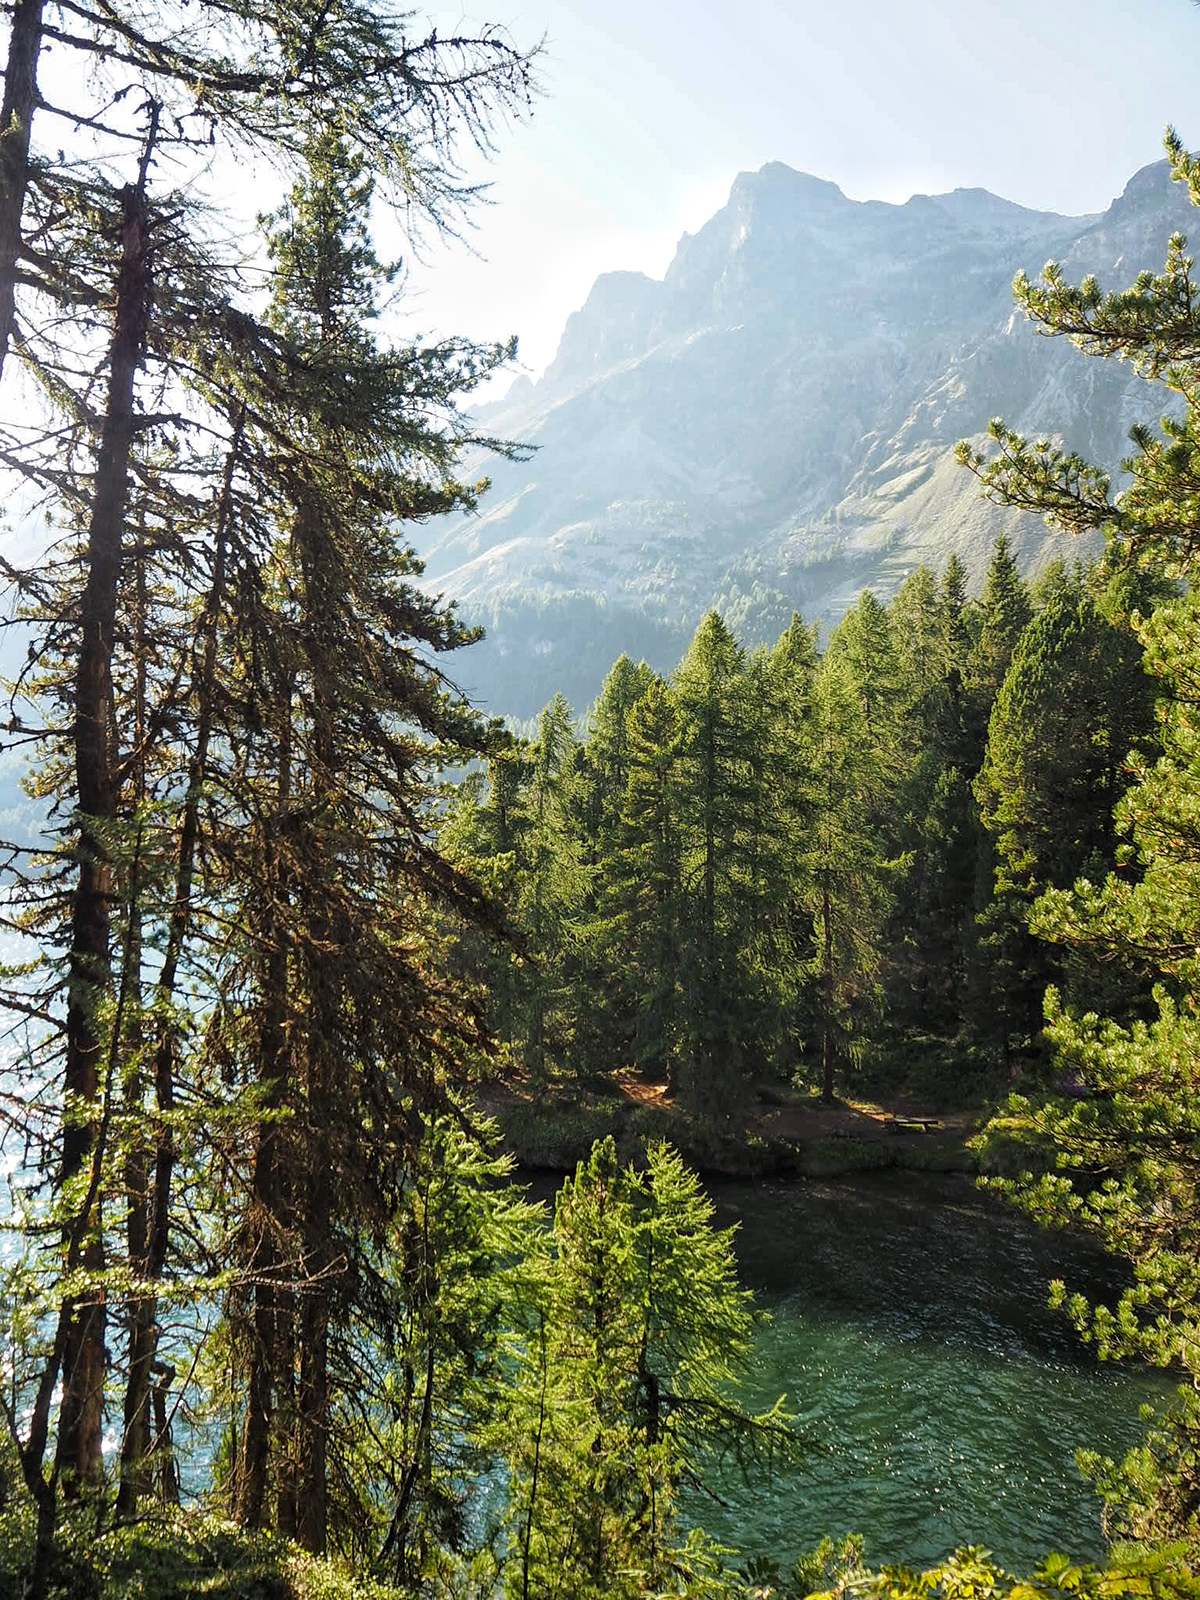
(150, 469)
(845, 876)
(641, 899)
(718, 793)
(626, 1385)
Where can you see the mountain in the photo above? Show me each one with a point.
(770, 426)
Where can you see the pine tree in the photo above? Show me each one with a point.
(782, 927)
(603, 1034)
(233, 76)
(354, 1018)
(553, 888)
(865, 640)
(1136, 1129)
(607, 748)
(952, 597)
(918, 625)
(177, 549)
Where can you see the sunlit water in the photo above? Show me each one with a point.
(941, 1400)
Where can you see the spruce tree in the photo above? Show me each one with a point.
(718, 791)
(1073, 704)
(642, 895)
(1004, 609)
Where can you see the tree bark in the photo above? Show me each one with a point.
(312, 1496)
(16, 123)
(265, 1260)
(325, 937)
(81, 1413)
(151, 1252)
(135, 1438)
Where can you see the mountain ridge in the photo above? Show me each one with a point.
(770, 424)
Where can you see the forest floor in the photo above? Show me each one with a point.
(784, 1131)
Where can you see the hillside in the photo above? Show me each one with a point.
(769, 426)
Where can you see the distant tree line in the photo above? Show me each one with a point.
(792, 862)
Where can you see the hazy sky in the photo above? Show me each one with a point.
(652, 108)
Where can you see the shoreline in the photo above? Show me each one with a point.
(786, 1135)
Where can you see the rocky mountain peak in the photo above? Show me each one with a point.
(1149, 188)
(780, 186)
(770, 426)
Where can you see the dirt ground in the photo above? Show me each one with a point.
(781, 1116)
(804, 1121)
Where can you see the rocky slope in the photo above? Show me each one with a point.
(771, 424)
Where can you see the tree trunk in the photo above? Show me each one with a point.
(16, 123)
(827, 984)
(265, 1262)
(81, 1413)
(284, 1444)
(135, 1438)
(164, 1450)
(321, 607)
(312, 1499)
(155, 1228)
(135, 1441)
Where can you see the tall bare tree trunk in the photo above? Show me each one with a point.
(135, 1439)
(313, 1408)
(285, 1442)
(81, 1413)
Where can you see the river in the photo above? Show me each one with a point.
(941, 1399)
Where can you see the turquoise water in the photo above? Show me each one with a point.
(941, 1400)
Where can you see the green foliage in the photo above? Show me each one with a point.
(1004, 610)
(845, 879)
(1073, 703)
(1125, 1139)
(623, 1388)
(971, 1574)
(455, 1277)
(178, 1557)
(642, 894)
(832, 1566)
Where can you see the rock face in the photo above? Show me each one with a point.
(770, 426)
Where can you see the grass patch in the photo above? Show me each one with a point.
(184, 1555)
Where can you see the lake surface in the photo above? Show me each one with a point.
(942, 1400)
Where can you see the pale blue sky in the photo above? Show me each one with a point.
(652, 108)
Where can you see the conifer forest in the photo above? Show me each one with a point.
(310, 966)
